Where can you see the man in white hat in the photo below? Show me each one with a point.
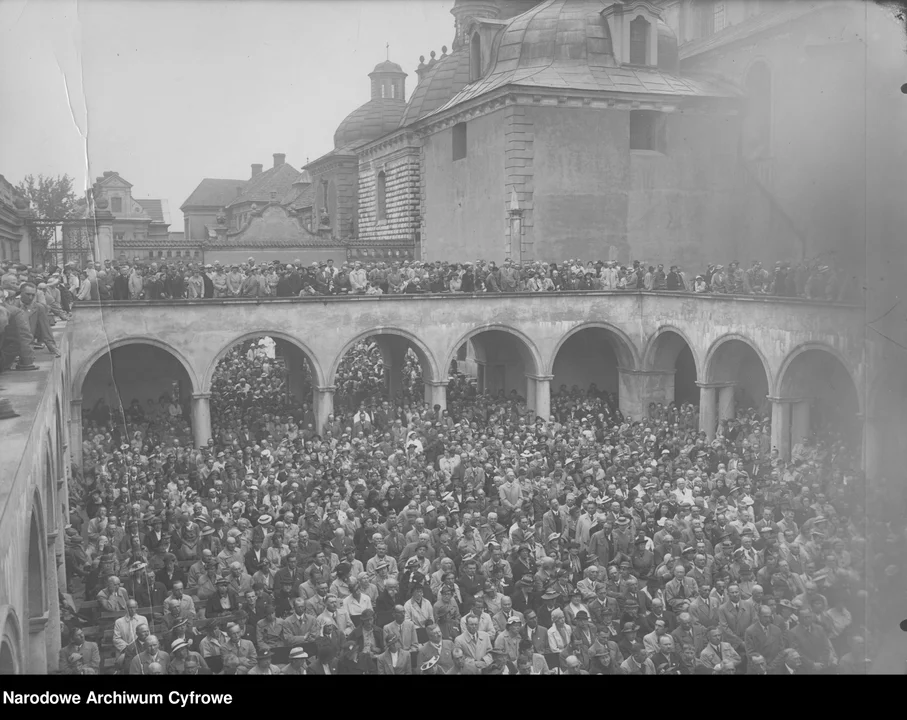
(297, 664)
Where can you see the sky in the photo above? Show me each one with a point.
(167, 92)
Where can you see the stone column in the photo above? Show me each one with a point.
(530, 392)
(201, 419)
(637, 388)
(708, 409)
(726, 407)
(799, 421)
(542, 395)
(480, 376)
(75, 431)
(781, 422)
(324, 406)
(436, 393)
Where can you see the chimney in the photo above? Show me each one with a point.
(279, 159)
(256, 168)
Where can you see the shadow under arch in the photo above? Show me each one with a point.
(83, 370)
(430, 369)
(36, 558)
(650, 357)
(624, 347)
(527, 342)
(782, 386)
(317, 373)
(708, 369)
(10, 641)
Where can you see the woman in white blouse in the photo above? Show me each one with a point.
(559, 633)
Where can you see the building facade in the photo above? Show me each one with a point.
(15, 239)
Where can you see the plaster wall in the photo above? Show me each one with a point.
(465, 204)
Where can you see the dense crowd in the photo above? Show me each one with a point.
(137, 280)
(477, 539)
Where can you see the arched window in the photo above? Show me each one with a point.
(475, 58)
(757, 125)
(639, 41)
(381, 196)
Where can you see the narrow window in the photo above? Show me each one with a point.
(116, 204)
(459, 141)
(647, 130)
(381, 196)
(719, 18)
(475, 58)
(639, 41)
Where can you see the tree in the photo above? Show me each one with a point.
(52, 198)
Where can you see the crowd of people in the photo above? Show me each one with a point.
(477, 539)
(138, 280)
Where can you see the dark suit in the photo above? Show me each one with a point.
(214, 607)
(812, 645)
(251, 561)
(767, 642)
(733, 623)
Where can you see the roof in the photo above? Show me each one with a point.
(566, 45)
(278, 180)
(388, 66)
(299, 196)
(368, 122)
(155, 209)
(213, 192)
(272, 227)
(766, 20)
(446, 78)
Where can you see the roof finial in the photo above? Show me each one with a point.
(388, 51)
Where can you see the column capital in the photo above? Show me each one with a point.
(791, 401)
(52, 537)
(327, 389)
(75, 402)
(201, 396)
(716, 385)
(436, 383)
(540, 378)
(37, 624)
(643, 373)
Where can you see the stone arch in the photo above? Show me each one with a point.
(36, 561)
(669, 349)
(310, 356)
(734, 358)
(786, 378)
(625, 350)
(10, 642)
(526, 355)
(660, 352)
(82, 371)
(430, 368)
(822, 378)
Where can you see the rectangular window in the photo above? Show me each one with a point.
(116, 204)
(639, 37)
(706, 18)
(719, 17)
(151, 253)
(196, 253)
(459, 141)
(647, 130)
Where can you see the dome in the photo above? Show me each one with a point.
(446, 78)
(386, 67)
(377, 117)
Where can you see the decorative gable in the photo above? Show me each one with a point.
(634, 31)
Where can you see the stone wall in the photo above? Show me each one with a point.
(402, 191)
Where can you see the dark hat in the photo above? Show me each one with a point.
(550, 595)
(222, 581)
(526, 580)
(582, 615)
(264, 654)
(641, 539)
